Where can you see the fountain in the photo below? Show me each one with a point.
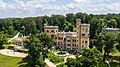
(61, 53)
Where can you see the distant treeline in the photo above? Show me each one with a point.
(34, 25)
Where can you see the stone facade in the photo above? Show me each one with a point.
(70, 40)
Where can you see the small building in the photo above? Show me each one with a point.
(70, 40)
(113, 31)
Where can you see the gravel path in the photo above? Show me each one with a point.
(9, 52)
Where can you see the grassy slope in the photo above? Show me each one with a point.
(7, 61)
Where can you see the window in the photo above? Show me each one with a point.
(60, 38)
(75, 45)
(83, 28)
(85, 41)
(47, 31)
(82, 41)
(58, 43)
(52, 35)
(52, 30)
(55, 37)
(82, 46)
(65, 47)
(83, 34)
(68, 40)
(86, 30)
(75, 40)
(68, 44)
(64, 39)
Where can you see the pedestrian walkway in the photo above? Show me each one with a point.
(50, 64)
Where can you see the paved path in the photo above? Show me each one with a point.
(50, 64)
(9, 52)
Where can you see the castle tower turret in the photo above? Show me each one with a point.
(82, 35)
(78, 23)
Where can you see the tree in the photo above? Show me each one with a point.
(30, 26)
(37, 52)
(90, 58)
(100, 42)
(118, 41)
(112, 23)
(3, 40)
(70, 26)
(39, 25)
(70, 17)
(11, 30)
(46, 40)
(109, 44)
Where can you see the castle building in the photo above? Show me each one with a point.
(113, 31)
(70, 40)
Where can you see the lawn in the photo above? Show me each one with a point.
(7, 61)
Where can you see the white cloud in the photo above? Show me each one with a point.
(2, 5)
(94, 6)
(45, 7)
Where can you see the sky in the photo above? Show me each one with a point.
(31, 8)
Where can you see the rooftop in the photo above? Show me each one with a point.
(67, 32)
(85, 24)
(51, 27)
(110, 29)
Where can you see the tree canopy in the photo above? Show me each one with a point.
(88, 58)
(34, 25)
(36, 45)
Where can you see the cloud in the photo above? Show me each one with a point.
(22, 8)
(82, 1)
(94, 6)
(2, 5)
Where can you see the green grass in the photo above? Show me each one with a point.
(7, 61)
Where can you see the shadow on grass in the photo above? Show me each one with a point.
(23, 63)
